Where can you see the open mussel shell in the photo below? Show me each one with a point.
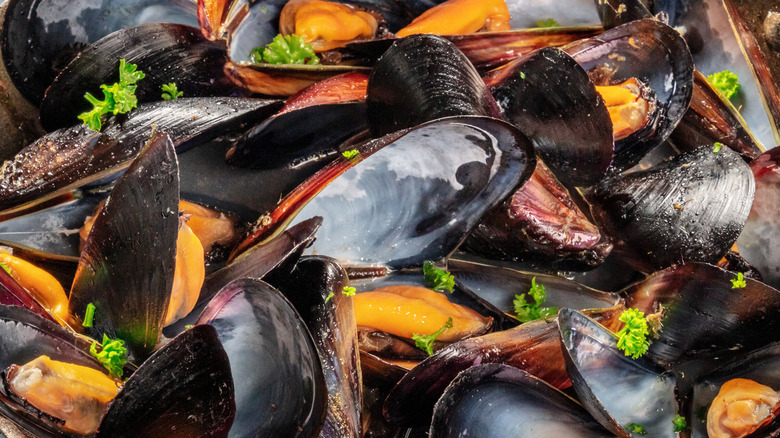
(617, 390)
(185, 389)
(552, 100)
(703, 316)
(422, 78)
(126, 268)
(394, 203)
(691, 208)
(757, 241)
(498, 400)
(655, 54)
(711, 119)
(616, 12)
(283, 79)
(315, 288)
(534, 347)
(70, 158)
(165, 52)
(280, 388)
(39, 38)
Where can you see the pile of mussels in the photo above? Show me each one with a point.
(220, 234)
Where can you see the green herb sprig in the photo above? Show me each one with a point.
(527, 311)
(171, 91)
(425, 342)
(89, 315)
(547, 23)
(725, 83)
(438, 279)
(287, 49)
(739, 282)
(118, 98)
(632, 338)
(636, 428)
(679, 423)
(113, 355)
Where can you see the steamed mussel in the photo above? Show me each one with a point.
(440, 232)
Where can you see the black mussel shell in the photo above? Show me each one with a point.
(165, 52)
(655, 54)
(534, 347)
(184, 390)
(617, 390)
(315, 288)
(703, 316)
(40, 37)
(616, 12)
(281, 390)
(126, 268)
(757, 241)
(691, 208)
(70, 158)
(712, 119)
(553, 101)
(422, 78)
(410, 196)
(497, 400)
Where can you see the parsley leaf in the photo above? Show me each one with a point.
(89, 315)
(171, 91)
(348, 291)
(350, 154)
(118, 98)
(717, 147)
(547, 23)
(438, 279)
(725, 82)
(113, 355)
(739, 282)
(632, 338)
(425, 342)
(287, 49)
(5, 268)
(636, 428)
(679, 423)
(526, 311)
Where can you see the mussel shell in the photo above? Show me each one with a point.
(689, 209)
(315, 288)
(616, 12)
(757, 241)
(655, 54)
(281, 390)
(165, 52)
(422, 78)
(184, 390)
(283, 79)
(703, 315)
(127, 266)
(40, 37)
(552, 100)
(497, 400)
(69, 158)
(617, 390)
(410, 196)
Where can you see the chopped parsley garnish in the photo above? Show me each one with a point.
(717, 147)
(89, 315)
(739, 282)
(725, 82)
(547, 23)
(425, 342)
(636, 428)
(287, 49)
(348, 291)
(113, 355)
(526, 311)
(5, 268)
(119, 98)
(330, 295)
(350, 154)
(632, 338)
(188, 326)
(171, 91)
(438, 279)
(522, 75)
(679, 423)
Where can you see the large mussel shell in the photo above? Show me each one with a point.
(69, 158)
(40, 37)
(315, 289)
(280, 387)
(126, 268)
(552, 100)
(757, 243)
(184, 390)
(165, 52)
(703, 316)
(422, 78)
(501, 401)
(655, 54)
(617, 390)
(689, 209)
(534, 347)
(409, 196)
